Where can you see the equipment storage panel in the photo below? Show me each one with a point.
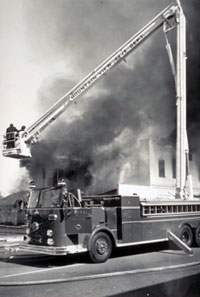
(130, 212)
(78, 220)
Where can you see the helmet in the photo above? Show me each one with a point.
(61, 182)
(32, 185)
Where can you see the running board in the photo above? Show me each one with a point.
(179, 243)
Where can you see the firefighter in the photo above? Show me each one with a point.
(64, 195)
(10, 136)
(32, 185)
(21, 131)
(20, 143)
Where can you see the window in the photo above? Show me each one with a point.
(49, 198)
(161, 168)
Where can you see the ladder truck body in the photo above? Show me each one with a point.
(63, 223)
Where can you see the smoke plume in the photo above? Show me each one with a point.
(95, 143)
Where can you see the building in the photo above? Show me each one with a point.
(153, 174)
(156, 172)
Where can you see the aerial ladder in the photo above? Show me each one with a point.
(169, 18)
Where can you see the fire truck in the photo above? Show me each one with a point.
(61, 222)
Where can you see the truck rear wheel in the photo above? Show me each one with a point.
(197, 235)
(186, 235)
(101, 247)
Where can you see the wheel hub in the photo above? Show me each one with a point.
(185, 237)
(102, 246)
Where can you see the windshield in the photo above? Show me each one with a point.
(45, 198)
(49, 198)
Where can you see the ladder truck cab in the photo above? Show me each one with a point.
(61, 222)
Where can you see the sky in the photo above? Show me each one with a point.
(47, 46)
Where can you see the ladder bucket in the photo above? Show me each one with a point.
(16, 149)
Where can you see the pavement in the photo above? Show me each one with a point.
(132, 271)
(145, 259)
(119, 265)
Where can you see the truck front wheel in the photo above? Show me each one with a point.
(101, 247)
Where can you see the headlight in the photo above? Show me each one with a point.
(35, 226)
(52, 217)
(50, 241)
(49, 232)
(27, 230)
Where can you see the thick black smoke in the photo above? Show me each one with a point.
(96, 142)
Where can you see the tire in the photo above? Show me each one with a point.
(197, 236)
(186, 235)
(101, 247)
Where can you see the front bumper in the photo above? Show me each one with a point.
(47, 250)
(51, 250)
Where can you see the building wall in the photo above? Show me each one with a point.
(142, 176)
(195, 172)
(10, 215)
(165, 153)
